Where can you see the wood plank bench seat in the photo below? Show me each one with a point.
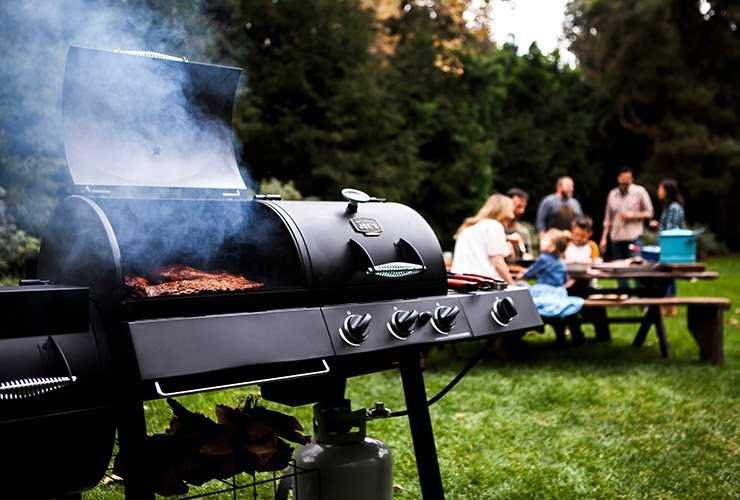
(659, 301)
(704, 318)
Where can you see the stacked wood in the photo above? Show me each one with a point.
(194, 449)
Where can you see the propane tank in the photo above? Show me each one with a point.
(350, 464)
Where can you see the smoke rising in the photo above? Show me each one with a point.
(130, 121)
(143, 121)
(36, 35)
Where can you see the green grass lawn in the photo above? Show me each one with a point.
(594, 421)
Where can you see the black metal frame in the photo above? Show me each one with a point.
(278, 479)
(234, 485)
(420, 422)
(132, 429)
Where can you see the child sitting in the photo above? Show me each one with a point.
(582, 249)
(549, 293)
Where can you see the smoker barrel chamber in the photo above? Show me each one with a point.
(309, 249)
(336, 289)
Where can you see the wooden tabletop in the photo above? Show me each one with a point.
(645, 271)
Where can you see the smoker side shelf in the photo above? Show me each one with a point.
(185, 355)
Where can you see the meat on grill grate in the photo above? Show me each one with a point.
(180, 272)
(177, 279)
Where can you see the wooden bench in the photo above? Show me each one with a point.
(704, 318)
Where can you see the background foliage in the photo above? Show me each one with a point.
(406, 100)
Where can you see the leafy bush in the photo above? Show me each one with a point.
(708, 244)
(285, 189)
(16, 248)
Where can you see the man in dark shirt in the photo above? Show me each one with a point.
(558, 210)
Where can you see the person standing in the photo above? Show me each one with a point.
(628, 206)
(558, 210)
(517, 233)
(671, 217)
(480, 242)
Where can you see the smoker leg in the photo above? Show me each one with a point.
(421, 428)
(131, 435)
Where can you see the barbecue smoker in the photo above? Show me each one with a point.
(342, 288)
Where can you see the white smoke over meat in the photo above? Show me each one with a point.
(140, 127)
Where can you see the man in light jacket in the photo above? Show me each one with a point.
(628, 206)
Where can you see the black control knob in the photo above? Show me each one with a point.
(503, 311)
(354, 330)
(401, 324)
(443, 319)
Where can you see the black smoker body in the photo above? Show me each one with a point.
(348, 287)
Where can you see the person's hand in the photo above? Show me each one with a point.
(654, 225)
(514, 237)
(602, 245)
(627, 216)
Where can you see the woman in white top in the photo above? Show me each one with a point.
(481, 246)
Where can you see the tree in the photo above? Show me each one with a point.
(314, 109)
(666, 72)
(444, 92)
(543, 126)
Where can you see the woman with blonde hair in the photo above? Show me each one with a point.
(481, 246)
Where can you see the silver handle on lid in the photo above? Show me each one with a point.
(391, 270)
(151, 54)
(394, 269)
(27, 388)
(161, 392)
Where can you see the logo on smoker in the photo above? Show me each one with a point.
(366, 226)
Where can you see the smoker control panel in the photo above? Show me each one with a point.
(500, 312)
(398, 324)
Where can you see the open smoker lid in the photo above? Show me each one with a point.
(145, 124)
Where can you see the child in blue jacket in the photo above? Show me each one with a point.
(549, 293)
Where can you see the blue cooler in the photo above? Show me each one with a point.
(677, 246)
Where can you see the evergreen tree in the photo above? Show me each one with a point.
(314, 109)
(543, 126)
(667, 73)
(443, 90)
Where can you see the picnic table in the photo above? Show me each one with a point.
(651, 278)
(704, 314)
